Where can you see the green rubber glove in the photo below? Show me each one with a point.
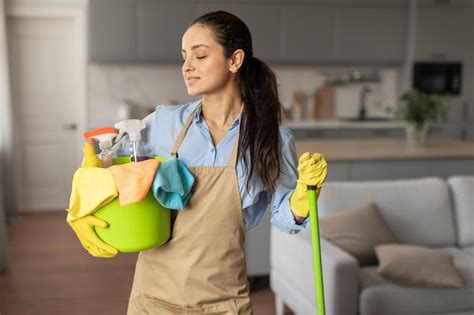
(84, 229)
(312, 171)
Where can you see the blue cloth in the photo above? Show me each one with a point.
(172, 184)
(197, 149)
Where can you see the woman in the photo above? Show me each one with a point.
(242, 161)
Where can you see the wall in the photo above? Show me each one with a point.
(110, 86)
(4, 132)
(147, 85)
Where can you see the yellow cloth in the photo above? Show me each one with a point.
(92, 188)
(84, 229)
(312, 171)
(133, 180)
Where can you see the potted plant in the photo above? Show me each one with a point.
(418, 109)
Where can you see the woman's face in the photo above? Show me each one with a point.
(205, 68)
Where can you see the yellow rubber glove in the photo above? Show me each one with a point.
(84, 229)
(312, 171)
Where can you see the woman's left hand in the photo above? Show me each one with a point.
(312, 171)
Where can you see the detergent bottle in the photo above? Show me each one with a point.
(90, 158)
(133, 144)
(105, 136)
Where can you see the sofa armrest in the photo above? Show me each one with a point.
(292, 274)
(341, 279)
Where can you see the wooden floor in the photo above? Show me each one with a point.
(50, 273)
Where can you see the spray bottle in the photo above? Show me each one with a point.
(105, 136)
(133, 128)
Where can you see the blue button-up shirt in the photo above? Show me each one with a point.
(197, 149)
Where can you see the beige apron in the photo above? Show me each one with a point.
(201, 270)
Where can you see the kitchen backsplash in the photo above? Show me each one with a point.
(117, 91)
(345, 88)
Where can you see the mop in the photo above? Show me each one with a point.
(316, 245)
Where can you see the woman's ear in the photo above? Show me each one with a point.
(236, 60)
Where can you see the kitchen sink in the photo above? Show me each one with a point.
(366, 119)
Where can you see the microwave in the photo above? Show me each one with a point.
(438, 77)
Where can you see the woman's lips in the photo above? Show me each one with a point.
(192, 80)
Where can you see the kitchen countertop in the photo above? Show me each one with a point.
(385, 149)
(345, 124)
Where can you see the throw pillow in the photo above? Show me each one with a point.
(357, 231)
(417, 266)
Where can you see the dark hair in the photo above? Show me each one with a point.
(258, 87)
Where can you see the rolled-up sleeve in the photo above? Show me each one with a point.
(282, 217)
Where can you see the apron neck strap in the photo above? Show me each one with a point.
(233, 156)
(235, 150)
(182, 133)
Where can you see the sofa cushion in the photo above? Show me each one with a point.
(357, 231)
(380, 296)
(417, 266)
(469, 250)
(462, 189)
(412, 208)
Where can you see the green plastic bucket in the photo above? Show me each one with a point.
(134, 227)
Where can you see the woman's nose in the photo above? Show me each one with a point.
(187, 66)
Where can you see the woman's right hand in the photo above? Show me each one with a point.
(84, 229)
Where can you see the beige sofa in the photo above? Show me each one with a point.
(429, 212)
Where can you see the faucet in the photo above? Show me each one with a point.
(362, 102)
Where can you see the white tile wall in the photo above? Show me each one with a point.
(347, 96)
(147, 85)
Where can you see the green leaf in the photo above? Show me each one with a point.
(418, 107)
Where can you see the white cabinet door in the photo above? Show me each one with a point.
(262, 20)
(308, 33)
(161, 25)
(444, 33)
(370, 34)
(47, 66)
(112, 30)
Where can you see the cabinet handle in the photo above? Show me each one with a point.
(71, 126)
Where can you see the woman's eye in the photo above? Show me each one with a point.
(201, 57)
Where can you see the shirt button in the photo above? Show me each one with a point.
(213, 150)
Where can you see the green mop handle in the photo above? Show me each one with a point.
(315, 241)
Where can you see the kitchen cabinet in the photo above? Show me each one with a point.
(369, 34)
(138, 30)
(308, 33)
(161, 24)
(344, 33)
(282, 31)
(112, 31)
(443, 32)
(264, 22)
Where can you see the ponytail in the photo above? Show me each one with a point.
(261, 117)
